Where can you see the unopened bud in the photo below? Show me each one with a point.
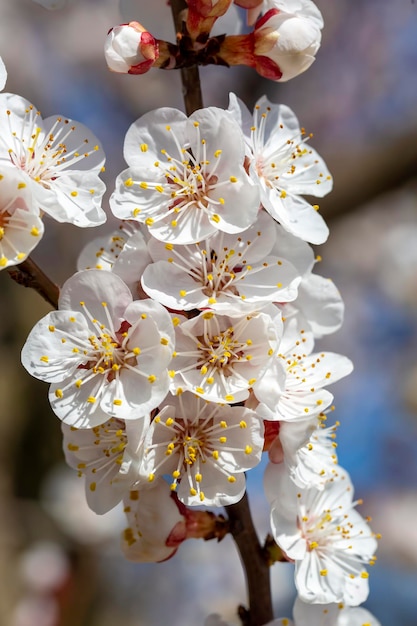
(285, 43)
(130, 49)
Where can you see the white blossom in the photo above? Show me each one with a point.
(327, 538)
(220, 358)
(20, 225)
(284, 167)
(229, 274)
(204, 447)
(60, 159)
(299, 390)
(104, 355)
(186, 176)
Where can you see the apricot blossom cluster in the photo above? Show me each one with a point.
(183, 349)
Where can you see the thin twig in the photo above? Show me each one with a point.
(29, 274)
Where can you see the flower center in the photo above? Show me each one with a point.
(220, 351)
(190, 178)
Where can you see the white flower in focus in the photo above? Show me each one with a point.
(156, 526)
(107, 456)
(287, 39)
(3, 74)
(300, 392)
(306, 614)
(20, 225)
(284, 167)
(186, 176)
(229, 274)
(204, 447)
(61, 160)
(220, 358)
(124, 252)
(104, 355)
(327, 538)
(130, 49)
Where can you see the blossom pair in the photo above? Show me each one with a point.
(187, 175)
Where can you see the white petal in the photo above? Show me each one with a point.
(95, 287)
(53, 348)
(3, 74)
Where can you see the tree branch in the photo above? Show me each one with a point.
(255, 565)
(190, 76)
(241, 525)
(29, 274)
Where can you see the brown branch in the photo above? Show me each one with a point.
(29, 274)
(255, 564)
(190, 76)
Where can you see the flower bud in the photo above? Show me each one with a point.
(130, 49)
(285, 43)
(202, 15)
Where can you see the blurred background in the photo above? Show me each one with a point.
(60, 565)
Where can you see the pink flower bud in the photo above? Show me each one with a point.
(285, 43)
(130, 49)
